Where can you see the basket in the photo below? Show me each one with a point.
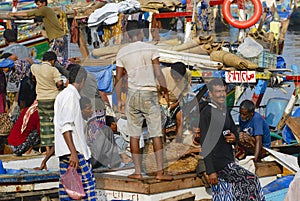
(174, 161)
(265, 59)
(6, 124)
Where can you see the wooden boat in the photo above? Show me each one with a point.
(21, 180)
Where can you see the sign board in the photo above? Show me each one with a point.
(240, 77)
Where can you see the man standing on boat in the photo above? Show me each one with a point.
(141, 62)
(178, 80)
(70, 141)
(254, 132)
(218, 135)
(55, 33)
(48, 85)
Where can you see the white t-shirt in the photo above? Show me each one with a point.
(137, 58)
(67, 117)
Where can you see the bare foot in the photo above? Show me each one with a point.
(164, 177)
(135, 176)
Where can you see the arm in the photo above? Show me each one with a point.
(17, 14)
(69, 141)
(160, 77)
(119, 75)
(258, 147)
(60, 85)
(47, 157)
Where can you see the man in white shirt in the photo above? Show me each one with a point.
(70, 141)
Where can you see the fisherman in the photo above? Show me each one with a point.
(178, 80)
(70, 142)
(141, 62)
(218, 135)
(48, 84)
(55, 33)
(254, 132)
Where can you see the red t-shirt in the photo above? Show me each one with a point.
(15, 137)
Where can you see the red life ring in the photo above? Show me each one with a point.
(242, 24)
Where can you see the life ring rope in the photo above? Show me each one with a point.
(242, 24)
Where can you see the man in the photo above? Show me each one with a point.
(54, 31)
(141, 61)
(48, 84)
(70, 142)
(218, 135)
(254, 131)
(25, 133)
(178, 80)
(293, 192)
(11, 39)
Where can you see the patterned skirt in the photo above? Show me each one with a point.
(237, 183)
(46, 115)
(88, 180)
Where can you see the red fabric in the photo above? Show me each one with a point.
(15, 137)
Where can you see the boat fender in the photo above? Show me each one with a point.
(242, 24)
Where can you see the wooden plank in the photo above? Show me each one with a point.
(147, 186)
(294, 124)
(182, 197)
(267, 168)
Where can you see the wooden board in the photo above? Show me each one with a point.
(267, 168)
(147, 186)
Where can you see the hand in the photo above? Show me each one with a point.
(230, 138)
(74, 160)
(10, 14)
(212, 179)
(43, 166)
(174, 105)
(121, 106)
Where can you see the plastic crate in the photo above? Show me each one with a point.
(265, 59)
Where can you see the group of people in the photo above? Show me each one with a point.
(66, 120)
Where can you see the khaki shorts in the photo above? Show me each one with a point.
(142, 105)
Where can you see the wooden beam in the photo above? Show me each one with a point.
(149, 185)
(267, 168)
(294, 124)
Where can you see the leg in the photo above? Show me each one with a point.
(179, 129)
(158, 150)
(136, 157)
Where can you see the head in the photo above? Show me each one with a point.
(133, 29)
(247, 109)
(178, 70)
(86, 107)
(110, 121)
(10, 36)
(40, 3)
(77, 75)
(50, 57)
(217, 91)
(10, 56)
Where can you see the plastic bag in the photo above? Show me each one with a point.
(72, 183)
(250, 48)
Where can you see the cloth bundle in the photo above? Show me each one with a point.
(232, 60)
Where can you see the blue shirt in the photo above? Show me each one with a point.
(257, 125)
(21, 51)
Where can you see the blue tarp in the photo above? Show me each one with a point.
(103, 75)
